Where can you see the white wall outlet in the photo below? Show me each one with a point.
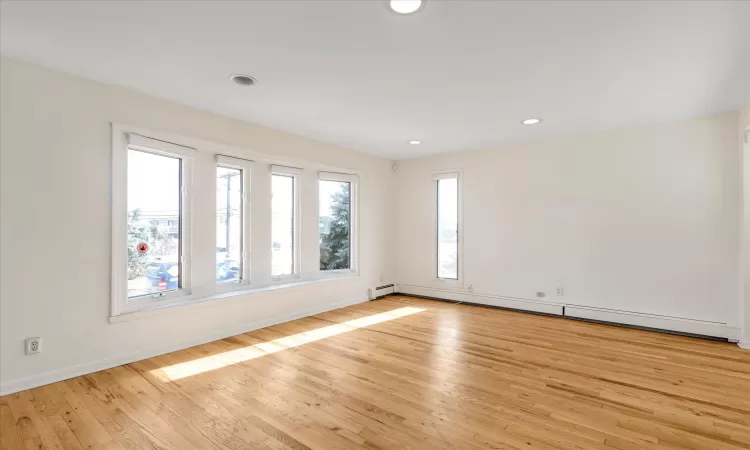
(541, 294)
(33, 345)
(560, 291)
(470, 288)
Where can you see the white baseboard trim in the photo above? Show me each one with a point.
(699, 327)
(503, 302)
(53, 376)
(681, 325)
(744, 344)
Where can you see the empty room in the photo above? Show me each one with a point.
(374, 224)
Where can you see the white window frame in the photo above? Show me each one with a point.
(199, 160)
(246, 166)
(353, 181)
(448, 282)
(296, 174)
(122, 141)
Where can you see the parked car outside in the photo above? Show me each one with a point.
(163, 275)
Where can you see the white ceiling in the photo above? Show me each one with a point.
(457, 75)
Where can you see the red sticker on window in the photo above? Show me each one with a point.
(142, 248)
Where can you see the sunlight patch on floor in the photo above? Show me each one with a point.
(213, 362)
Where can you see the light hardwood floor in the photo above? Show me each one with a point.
(402, 372)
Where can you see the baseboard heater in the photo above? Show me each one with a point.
(649, 322)
(381, 291)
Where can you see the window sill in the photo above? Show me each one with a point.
(188, 301)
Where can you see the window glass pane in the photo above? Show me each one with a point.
(447, 228)
(228, 224)
(282, 225)
(335, 225)
(153, 223)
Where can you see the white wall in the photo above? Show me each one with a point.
(55, 227)
(643, 220)
(743, 125)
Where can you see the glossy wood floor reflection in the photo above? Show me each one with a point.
(402, 372)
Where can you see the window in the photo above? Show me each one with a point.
(284, 222)
(151, 222)
(171, 202)
(232, 220)
(336, 194)
(154, 251)
(447, 226)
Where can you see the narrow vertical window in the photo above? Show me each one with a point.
(283, 226)
(229, 224)
(154, 215)
(447, 227)
(335, 224)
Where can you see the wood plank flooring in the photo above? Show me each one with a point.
(407, 373)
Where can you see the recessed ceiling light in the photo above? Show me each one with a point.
(531, 121)
(415, 142)
(244, 80)
(406, 6)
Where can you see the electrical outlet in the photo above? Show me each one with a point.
(33, 345)
(560, 291)
(470, 288)
(541, 294)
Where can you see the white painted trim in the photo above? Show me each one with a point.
(237, 163)
(119, 219)
(682, 325)
(169, 308)
(53, 376)
(705, 328)
(336, 176)
(446, 175)
(744, 344)
(151, 145)
(248, 153)
(286, 170)
(503, 302)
